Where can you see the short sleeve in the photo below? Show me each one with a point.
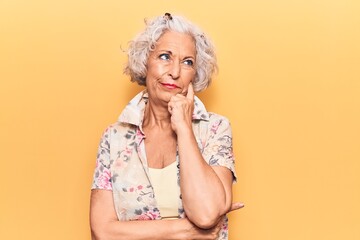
(218, 149)
(102, 173)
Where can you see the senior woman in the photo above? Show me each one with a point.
(166, 159)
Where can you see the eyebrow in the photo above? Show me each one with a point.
(171, 53)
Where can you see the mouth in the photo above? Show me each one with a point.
(170, 86)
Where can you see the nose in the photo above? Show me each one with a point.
(175, 69)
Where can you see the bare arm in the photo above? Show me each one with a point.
(105, 225)
(206, 191)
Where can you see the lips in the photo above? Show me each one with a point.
(169, 85)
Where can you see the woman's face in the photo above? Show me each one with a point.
(171, 66)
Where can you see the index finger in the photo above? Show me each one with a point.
(190, 92)
(236, 206)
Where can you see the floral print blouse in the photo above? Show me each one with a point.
(121, 164)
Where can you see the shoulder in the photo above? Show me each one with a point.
(118, 129)
(213, 117)
(215, 126)
(217, 120)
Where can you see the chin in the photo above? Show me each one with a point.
(162, 97)
(168, 95)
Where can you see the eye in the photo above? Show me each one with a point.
(189, 62)
(164, 56)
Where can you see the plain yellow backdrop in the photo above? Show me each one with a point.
(289, 81)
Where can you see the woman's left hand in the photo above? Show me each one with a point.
(181, 109)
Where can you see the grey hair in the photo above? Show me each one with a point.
(140, 47)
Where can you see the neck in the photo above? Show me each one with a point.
(156, 116)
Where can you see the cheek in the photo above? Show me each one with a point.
(156, 70)
(190, 76)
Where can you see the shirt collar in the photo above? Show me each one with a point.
(134, 110)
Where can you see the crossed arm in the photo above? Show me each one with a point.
(205, 203)
(206, 194)
(105, 225)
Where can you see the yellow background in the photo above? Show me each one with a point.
(289, 81)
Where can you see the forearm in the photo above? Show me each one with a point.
(139, 230)
(203, 193)
(106, 226)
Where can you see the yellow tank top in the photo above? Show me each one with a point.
(164, 182)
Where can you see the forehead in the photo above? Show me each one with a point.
(178, 42)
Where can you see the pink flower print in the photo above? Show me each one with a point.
(104, 180)
(203, 144)
(126, 154)
(140, 187)
(143, 217)
(128, 151)
(224, 227)
(149, 215)
(139, 133)
(119, 164)
(131, 189)
(215, 127)
(153, 215)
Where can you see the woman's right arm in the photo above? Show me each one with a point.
(105, 225)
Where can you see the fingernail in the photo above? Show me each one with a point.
(241, 205)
